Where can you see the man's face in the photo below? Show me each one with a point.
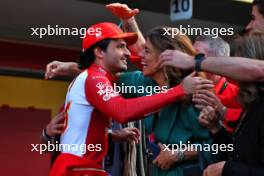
(257, 20)
(116, 55)
(201, 47)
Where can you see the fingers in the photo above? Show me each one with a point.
(199, 106)
(207, 93)
(210, 114)
(204, 86)
(58, 132)
(59, 117)
(167, 52)
(122, 10)
(60, 126)
(135, 11)
(50, 69)
(205, 173)
(202, 120)
(165, 61)
(203, 99)
(133, 135)
(161, 146)
(133, 138)
(206, 81)
(192, 74)
(155, 161)
(135, 130)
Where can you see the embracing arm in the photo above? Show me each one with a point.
(236, 68)
(101, 96)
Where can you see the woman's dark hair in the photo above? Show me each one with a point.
(260, 5)
(87, 57)
(250, 45)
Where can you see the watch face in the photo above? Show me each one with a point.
(198, 60)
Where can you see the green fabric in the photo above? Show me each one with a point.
(177, 122)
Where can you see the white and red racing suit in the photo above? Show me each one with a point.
(89, 106)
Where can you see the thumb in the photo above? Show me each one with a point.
(135, 11)
(161, 146)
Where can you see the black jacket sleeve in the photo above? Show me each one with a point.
(233, 168)
(220, 138)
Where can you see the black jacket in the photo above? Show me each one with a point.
(247, 159)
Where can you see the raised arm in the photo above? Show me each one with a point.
(129, 24)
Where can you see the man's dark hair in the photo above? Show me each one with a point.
(87, 57)
(260, 5)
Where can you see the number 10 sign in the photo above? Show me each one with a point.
(181, 9)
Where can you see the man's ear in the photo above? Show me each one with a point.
(99, 53)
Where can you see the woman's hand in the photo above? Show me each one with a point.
(166, 159)
(192, 83)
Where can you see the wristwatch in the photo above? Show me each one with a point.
(198, 61)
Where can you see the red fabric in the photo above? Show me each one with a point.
(136, 60)
(65, 161)
(97, 134)
(229, 99)
(101, 31)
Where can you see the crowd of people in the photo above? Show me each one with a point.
(210, 99)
